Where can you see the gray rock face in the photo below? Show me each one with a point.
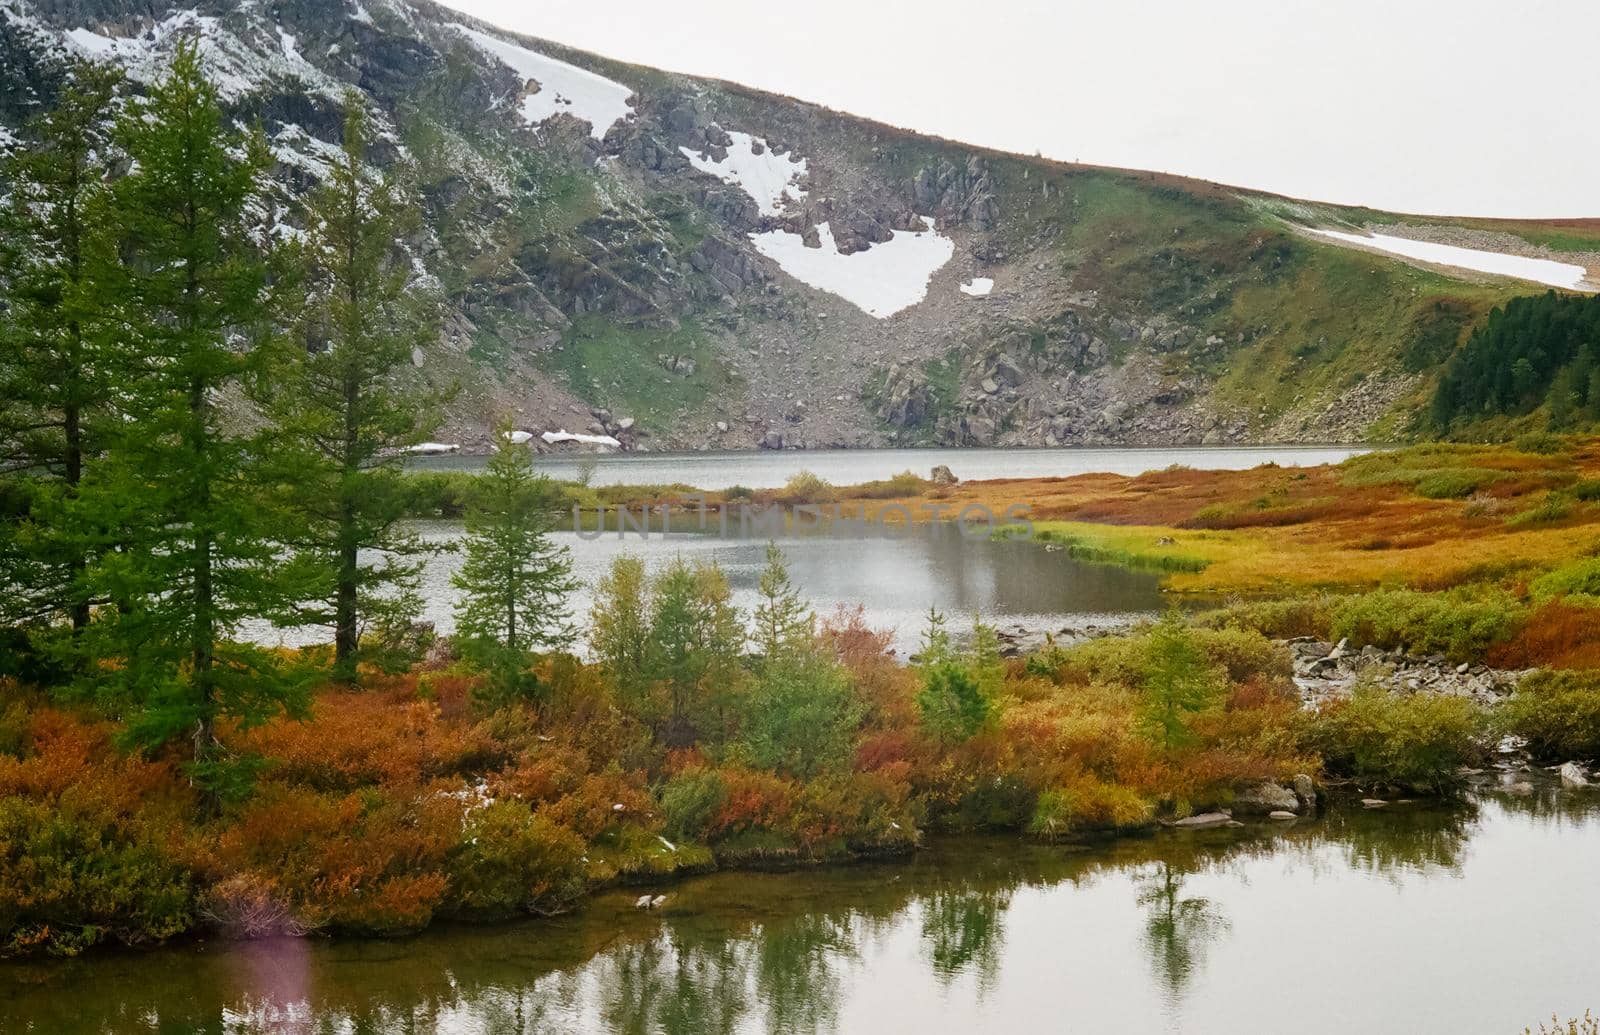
(942, 475)
(1573, 775)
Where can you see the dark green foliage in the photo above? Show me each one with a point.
(690, 800)
(345, 408)
(73, 875)
(1558, 713)
(1461, 624)
(1415, 743)
(1537, 349)
(181, 496)
(801, 716)
(515, 580)
(55, 388)
(955, 700)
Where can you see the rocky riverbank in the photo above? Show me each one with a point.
(1324, 671)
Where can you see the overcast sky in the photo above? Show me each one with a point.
(1463, 107)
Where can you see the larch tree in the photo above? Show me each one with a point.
(515, 579)
(187, 296)
(347, 404)
(783, 623)
(55, 390)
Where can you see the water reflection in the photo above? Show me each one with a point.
(1202, 931)
(1176, 927)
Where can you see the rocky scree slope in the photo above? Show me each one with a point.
(682, 263)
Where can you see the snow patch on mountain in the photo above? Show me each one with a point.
(1520, 267)
(977, 287)
(554, 437)
(561, 89)
(770, 178)
(881, 280)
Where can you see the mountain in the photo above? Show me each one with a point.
(684, 263)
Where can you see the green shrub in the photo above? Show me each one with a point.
(1540, 442)
(1578, 581)
(511, 860)
(1455, 484)
(1558, 713)
(1461, 624)
(801, 717)
(690, 800)
(73, 875)
(1280, 619)
(1241, 651)
(1088, 804)
(1552, 507)
(1587, 490)
(1417, 742)
(906, 483)
(807, 487)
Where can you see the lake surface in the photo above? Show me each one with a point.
(895, 581)
(1478, 919)
(766, 469)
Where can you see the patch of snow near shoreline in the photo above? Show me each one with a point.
(519, 438)
(770, 178)
(434, 448)
(977, 287)
(563, 88)
(1542, 271)
(564, 435)
(882, 280)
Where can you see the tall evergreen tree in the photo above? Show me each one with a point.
(346, 408)
(187, 293)
(515, 579)
(54, 389)
(783, 623)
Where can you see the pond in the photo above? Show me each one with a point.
(894, 580)
(770, 469)
(1477, 918)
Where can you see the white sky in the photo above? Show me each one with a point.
(1463, 107)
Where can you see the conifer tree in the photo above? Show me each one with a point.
(515, 580)
(346, 408)
(1179, 682)
(783, 624)
(187, 295)
(54, 392)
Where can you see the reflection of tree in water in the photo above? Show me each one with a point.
(1176, 929)
(671, 985)
(797, 971)
(964, 927)
(697, 985)
(1402, 839)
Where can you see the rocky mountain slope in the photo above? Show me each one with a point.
(682, 263)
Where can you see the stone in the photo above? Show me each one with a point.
(1266, 797)
(1374, 803)
(1280, 814)
(642, 902)
(942, 475)
(989, 386)
(722, 426)
(1305, 789)
(1204, 819)
(624, 423)
(1572, 775)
